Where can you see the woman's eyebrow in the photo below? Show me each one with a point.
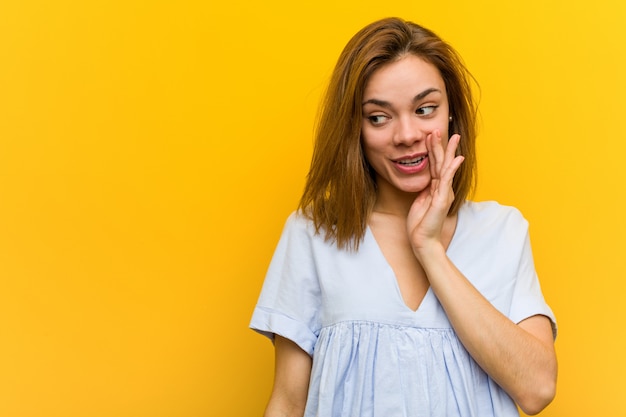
(425, 93)
(418, 97)
(377, 102)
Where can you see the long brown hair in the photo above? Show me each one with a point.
(341, 187)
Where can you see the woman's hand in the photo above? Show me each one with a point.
(430, 208)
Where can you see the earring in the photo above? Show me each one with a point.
(450, 118)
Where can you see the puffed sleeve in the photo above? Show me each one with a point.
(528, 299)
(289, 304)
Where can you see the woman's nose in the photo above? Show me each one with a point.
(408, 131)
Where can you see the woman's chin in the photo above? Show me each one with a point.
(413, 188)
(405, 186)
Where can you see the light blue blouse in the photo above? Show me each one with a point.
(373, 355)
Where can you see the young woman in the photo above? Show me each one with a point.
(390, 293)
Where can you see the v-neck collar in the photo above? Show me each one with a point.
(369, 234)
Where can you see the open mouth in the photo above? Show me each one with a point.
(412, 162)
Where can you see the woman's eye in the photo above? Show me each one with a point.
(426, 110)
(378, 119)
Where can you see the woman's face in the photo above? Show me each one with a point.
(404, 101)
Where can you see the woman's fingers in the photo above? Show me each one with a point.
(443, 160)
(452, 161)
(453, 144)
(436, 154)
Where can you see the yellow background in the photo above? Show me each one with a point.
(150, 152)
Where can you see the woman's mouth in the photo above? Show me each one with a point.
(411, 162)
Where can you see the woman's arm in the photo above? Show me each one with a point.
(519, 357)
(291, 380)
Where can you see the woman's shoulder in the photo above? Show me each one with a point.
(299, 221)
(300, 226)
(489, 208)
(490, 214)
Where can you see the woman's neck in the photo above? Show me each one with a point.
(392, 201)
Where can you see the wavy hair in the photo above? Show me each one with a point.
(341, 186)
